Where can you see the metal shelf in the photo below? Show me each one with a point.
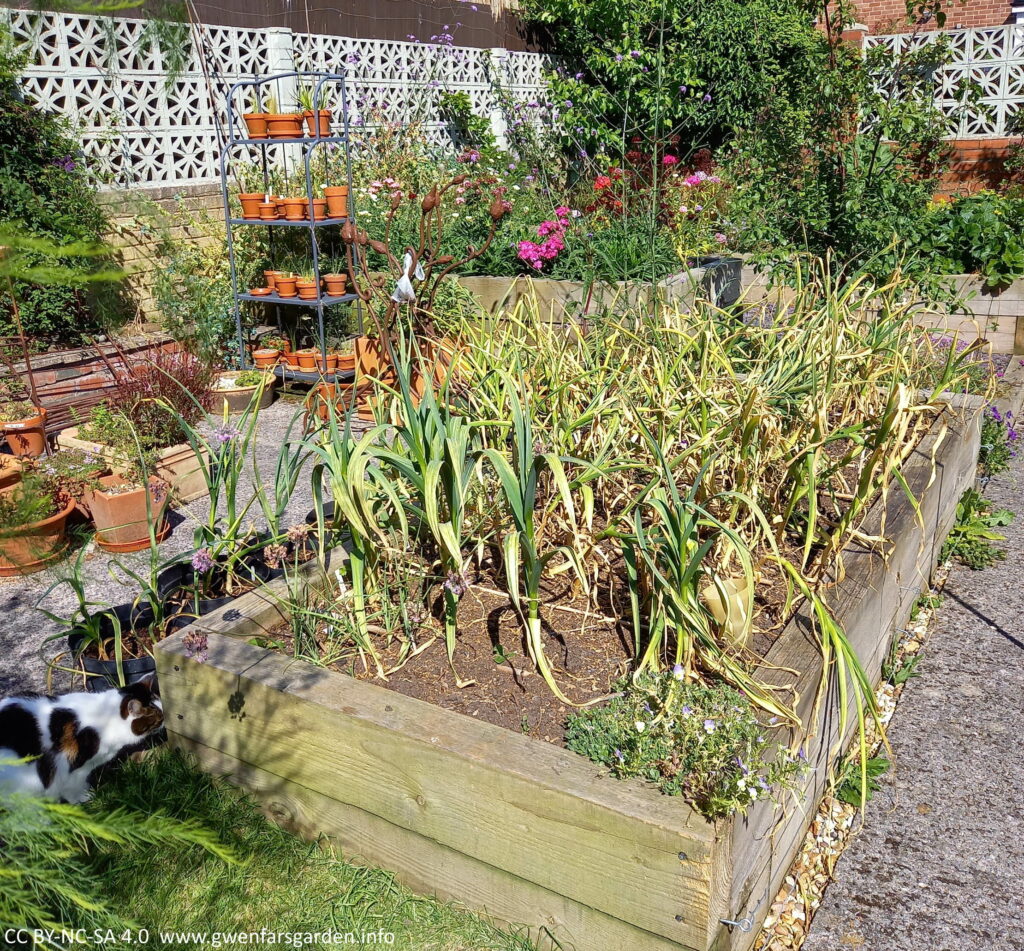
(286, 374)
(302, 139)
(326, 299)
(237, 140)
(285, 223)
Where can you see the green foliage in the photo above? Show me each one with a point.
(700, 741)
(280, 882)
(897, 671)
(45, 194)
(849, 785)
(30, 501)
(970, 540)
(466, 128)
(998, 438)
(51, 850)
(110, 427)
(655, 69)
(977, 234)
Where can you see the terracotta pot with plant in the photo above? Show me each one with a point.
(21, 421)
(346, 356)
(306, 358)
(334, 284)
(282, 125)
(33, 525)
(255, 120)
(306, 288)
(235, 390)
(330, 365)
(318, 121)
(266, 357)
(122, 513)
(337, 200)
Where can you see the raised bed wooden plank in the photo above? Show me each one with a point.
(428, 867)
(539, 812)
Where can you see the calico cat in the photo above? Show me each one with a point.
(66, 738)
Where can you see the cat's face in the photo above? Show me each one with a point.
(141, 707)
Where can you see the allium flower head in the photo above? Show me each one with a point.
(202, 560)
(225, 434)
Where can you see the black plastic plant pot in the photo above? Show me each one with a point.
(722, 280)
(102, 674)
(174, 584)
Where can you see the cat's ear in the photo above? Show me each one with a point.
(135, 707)
(151, 684)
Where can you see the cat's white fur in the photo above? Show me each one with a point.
(101, 711)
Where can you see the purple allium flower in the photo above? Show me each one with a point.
(224, 434)
(202, 560)
(456, 583)
(196, 646)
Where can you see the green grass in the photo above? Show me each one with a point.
(281, 883)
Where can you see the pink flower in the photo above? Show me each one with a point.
(721, 238)
(669, 160)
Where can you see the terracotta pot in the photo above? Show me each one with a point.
(324, 123)
(271, 278)
(284, 125)
(330, 365)
(268, 210)
(251, 202)
(334, 284)
(295, 209)
(337, 200)
(121, 518)
(32, 547)
(27, 437)
(237, 399)
(319, 208)
(306, 358)
(10, 470)
(255, 124)
(306, 289)
(291, 358)
(266, 357)
(285, 286)
(346, 362)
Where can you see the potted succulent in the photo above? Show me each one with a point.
(334, 284)
(317, 121)
(255, 121)
(237, 388)
(306, 287)
(33, 525)
(337, 200)
(21, 421)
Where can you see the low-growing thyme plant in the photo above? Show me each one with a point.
(700, 741)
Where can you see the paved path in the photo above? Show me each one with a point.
(940, 863)
(24, 630)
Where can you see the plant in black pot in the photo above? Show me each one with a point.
(227, 558)
(111, 645)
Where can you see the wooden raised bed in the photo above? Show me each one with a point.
(177, 465)
(521, 830)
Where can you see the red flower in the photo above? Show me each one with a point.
(601, 183)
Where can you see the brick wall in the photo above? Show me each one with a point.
(977, 164)
(890, 16)
(131, 215)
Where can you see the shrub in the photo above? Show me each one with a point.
(45, 193)
(691, 739)
(978, 234)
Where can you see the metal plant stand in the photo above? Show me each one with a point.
(238, 141)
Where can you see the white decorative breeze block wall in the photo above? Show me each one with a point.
(138, 130)
(993, 57)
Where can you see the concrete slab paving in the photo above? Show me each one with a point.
(939, 865)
